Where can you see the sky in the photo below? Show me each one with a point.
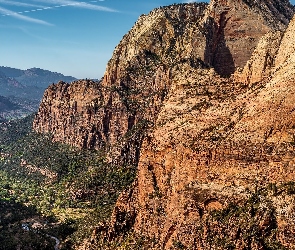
(71, 37)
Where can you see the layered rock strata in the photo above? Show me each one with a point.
(202, 141)
(138, 77)
(215, 142)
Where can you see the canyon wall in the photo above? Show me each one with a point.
(201, 98)
(138, 77)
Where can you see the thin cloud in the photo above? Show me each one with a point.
(59, 4)
(7, 12)
(84, 5)
(14, 3)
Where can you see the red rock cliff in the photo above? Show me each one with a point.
(202, 141)
(138, 76)
(213, 142)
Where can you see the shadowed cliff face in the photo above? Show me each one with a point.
(234, 28)
(201, 140)
(217, 53)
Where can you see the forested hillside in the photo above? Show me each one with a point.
(60, 191)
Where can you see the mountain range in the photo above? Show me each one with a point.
(24, 89)
(33, 77)
(200, 99)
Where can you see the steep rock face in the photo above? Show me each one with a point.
(206, 147)
(262, 61)
(214, 140)
(138, 76)
(285, 54)
(236, 27)
(136, 81)
(68, 106)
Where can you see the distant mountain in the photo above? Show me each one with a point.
(7, 108)
(9, 86)
(21, 90)
(16, 107)
(35, 76)
(7, 105)
(11, 72)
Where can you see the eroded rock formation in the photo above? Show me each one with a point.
(202, 141)
(222, 35)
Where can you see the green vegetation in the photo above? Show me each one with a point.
(12, 216)
(72, 190)
(130, 241)
(252, 223)
(67, 192)
(12, 131)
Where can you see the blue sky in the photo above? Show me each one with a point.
(68, 36)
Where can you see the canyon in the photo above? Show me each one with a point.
(200, 98)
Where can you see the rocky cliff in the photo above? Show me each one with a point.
(138, 77)
(201, 98)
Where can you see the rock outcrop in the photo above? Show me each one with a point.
(214, 141)
(235, 28)
(201, 97)
(138, 77)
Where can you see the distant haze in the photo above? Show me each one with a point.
(21, 90)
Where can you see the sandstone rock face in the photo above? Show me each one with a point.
(69, 112)
(222, 35)
(235, 28)
(213, 140)
(285, 55)
(202, 141)
(208, 149)
(262, 61)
